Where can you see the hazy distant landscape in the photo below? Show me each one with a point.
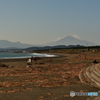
(68, 40)
(65, 42)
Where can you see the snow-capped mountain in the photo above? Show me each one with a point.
(71, 40)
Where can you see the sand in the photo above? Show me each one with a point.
(46, 79)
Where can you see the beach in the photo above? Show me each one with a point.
(48, 78)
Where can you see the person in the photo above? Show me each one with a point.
(29, 61)
(32, 58)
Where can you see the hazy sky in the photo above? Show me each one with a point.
(43, 21)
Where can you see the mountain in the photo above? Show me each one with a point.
(13, 45)
(60, 42)
(71, 40)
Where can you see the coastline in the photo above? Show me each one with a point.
(46, 55)
(25, 59)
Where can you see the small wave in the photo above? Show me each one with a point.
(29, 55)
(44, 55)
(49, 55)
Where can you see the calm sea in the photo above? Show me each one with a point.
(4, 55)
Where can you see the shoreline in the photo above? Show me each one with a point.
(25, 59)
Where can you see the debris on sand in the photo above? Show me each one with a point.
(3, 65)
(95, 61)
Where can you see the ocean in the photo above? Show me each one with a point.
(8, 55)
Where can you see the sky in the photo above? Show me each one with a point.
(43, 21)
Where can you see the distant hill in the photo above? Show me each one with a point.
(65, 42)
(47, 48)
(71, 40)
(13, 45)
(51, 47)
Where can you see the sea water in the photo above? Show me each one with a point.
(8, 55)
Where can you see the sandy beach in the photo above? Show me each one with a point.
(49, 78)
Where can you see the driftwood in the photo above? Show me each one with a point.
(3, 65)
